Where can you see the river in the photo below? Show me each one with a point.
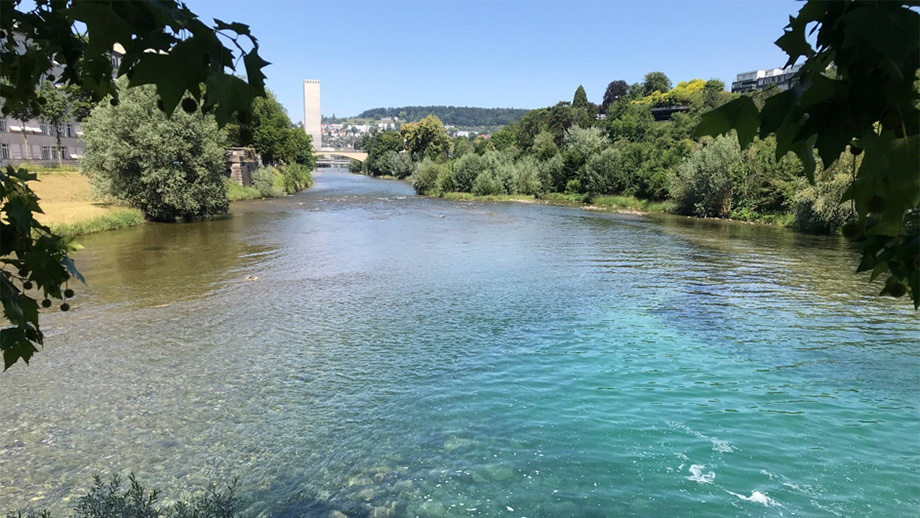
(407, 356)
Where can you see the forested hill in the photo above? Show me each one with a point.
(450, 115)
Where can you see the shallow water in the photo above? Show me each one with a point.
(436, 358)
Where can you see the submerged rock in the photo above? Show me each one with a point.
(431, 509)
(455, 443)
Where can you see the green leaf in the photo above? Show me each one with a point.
(239, 28)
(15, 346)
(777, 110)
(741, 115)
(254, 65)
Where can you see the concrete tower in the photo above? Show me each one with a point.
(312, 117)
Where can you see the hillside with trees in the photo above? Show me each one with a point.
(460, 116)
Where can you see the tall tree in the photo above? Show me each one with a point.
(581, 98)
(55, 111)
(425, 138)
(615, 90)
(168, 167)
(856, 91)
(656, 82)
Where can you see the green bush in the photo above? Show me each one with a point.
(488, 184)
(466, 169)
(765, 186)
(604, 173)
(395, 164)
(296, 178)
(168, 167)
(355, 166)
(702, 186)
(263, 180)
(425, 178)
(237, 192)
(111, 500)
(550, 171)
(527, 177)
(817, 207)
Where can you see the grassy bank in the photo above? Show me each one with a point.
(237, 192)
(69, 210)
(119, 217)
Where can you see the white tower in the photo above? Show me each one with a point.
(312, 117)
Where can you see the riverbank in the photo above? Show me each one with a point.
(627, 204)
(69, 210)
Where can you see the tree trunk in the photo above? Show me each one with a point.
(28, 151)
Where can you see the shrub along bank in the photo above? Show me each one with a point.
(627, 159)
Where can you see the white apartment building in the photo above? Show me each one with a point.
(783, 78)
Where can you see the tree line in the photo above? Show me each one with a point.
(451, 115)
(568, 150)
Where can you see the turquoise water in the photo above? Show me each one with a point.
(407, 356)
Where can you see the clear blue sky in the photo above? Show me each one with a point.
(497, 54)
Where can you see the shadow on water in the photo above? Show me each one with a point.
(159, 263)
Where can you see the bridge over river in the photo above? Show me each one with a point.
(336, 157)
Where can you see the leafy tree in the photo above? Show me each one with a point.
(526, 177)
(581, 98)
(75, 39)
(269, 131)
(58, 104)
(168, 167)
(655, 82)
(703, 184)
(615, 90)
(855, 91)
(22, 113)
(714, 85)
(426, 138)
(466, 169)
(586, 141)
(604, 173)
(427, 176)
(544, 146)
(395, 164)
(377, 146)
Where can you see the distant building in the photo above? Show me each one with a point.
(783, 78)
(312, 117)
(36, 141)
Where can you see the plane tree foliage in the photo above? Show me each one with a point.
(69, 43)
(856, 99)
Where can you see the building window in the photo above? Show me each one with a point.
(54, 153)
(69, 130)
(64, 154)
(46, 129)
(4, 127)
(46, 152)
(5, 151)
